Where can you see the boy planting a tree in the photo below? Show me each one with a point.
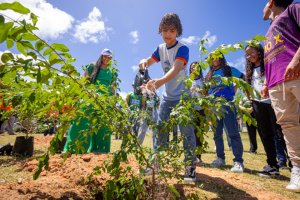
(173, 56)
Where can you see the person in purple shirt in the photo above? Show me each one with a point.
(282, 83)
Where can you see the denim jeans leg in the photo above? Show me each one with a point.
(233, 132)
(218, 138)
(154, 129)
(163, 115)
(189, 143)
(144, 128)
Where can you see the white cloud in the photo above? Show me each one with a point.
(195, 40)
(134, 37)
(134, 68)
(92, 29)
(239, 64)
(212, 39)
(123, 95)
(191, 40)
(52, 22)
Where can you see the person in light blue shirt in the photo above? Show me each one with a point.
(219, 68)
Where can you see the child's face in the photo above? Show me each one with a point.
(252, 55)
(216, 63)
(106, 59)
(169, 35)
(266, 11)
(194, 72)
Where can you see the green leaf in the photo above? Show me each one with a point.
(32, 54)
(32, 97)
(15, 32)
(45, 75)
(20, 48)
(52, 56)
(16, 100)
(39, 45)
(55, 61)
(60, 47)
(29, 36)
(47, 52)
(259, 38)
(15, 6)
(4, 28)
(2, 19)
(34, 18)
(6, 57)
(27, 44)
(39, 75)
(9, 43)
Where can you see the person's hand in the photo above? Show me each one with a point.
(143, 64)
(193, 90)
(151, 85)
(264, 92)
(292, 72)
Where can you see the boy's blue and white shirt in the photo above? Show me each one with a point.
(222, 90)
(167, 56)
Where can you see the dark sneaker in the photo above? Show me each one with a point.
(268, 172)
(219, 162)
(190, 174)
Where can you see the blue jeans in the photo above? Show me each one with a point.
(144, 128)
(189, 139)
(230, 122)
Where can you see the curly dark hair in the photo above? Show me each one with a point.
(250, 65)
(170, 20)
(283, 3)
(199, 69)
(224, 67)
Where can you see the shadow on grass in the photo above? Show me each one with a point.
(255, 172)
(218, 186)
(249, 171)
(10, 160)
(7, 161)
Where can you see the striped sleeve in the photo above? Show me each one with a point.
(155, 55)
(183, 54)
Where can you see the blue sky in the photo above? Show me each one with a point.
(130, 28)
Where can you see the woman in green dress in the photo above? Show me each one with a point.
(102, 74)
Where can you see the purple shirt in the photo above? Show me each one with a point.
(283, 41)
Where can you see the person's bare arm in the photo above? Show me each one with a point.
(145, 63)
(293, 69)
(264, 91)
(156, 83)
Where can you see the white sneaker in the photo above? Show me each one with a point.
(294, 184)
(238, 167)
(219, 162)
(199, 162)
